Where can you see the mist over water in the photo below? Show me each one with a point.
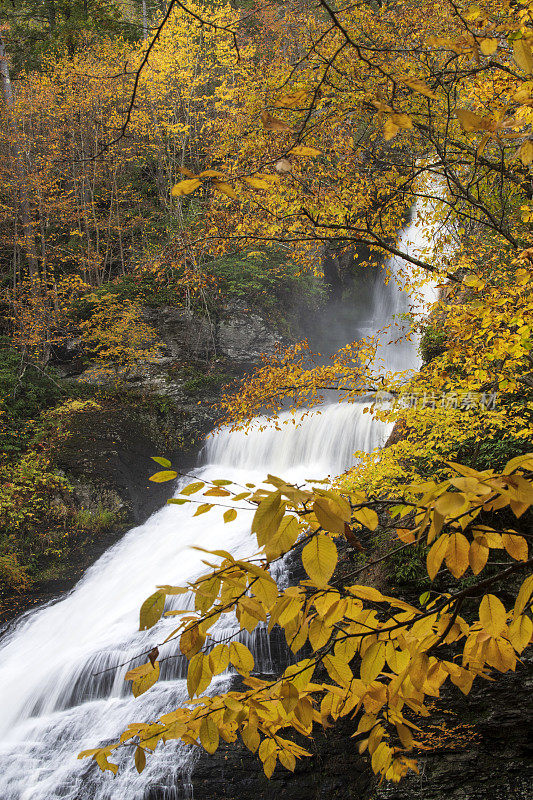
(62, 667)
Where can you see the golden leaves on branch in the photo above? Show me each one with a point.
(375, 654)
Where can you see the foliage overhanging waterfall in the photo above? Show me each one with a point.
(62, 667)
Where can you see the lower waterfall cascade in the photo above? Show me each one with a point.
(62, 666)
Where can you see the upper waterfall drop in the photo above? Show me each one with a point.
(62, 667)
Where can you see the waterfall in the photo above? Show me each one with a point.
(62, 667)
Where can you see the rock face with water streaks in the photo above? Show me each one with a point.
(156, 410)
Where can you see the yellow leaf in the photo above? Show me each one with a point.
(140, 759)
(230, 515)
(488, 46)
(142, 677)
(338, 670)
(405, 735)
(325, 512)
(266, 591)
(209, 736)
(477, 556)
(103, 763)
(211, 173)
(523, 56)
(267, 517)
(225, 188)
(492, 614)
(151, 610)
(202, 509)
(403, 121)
(192, 488)
(199, 674)
(250, 737)
(219, 658)
(373, 662)
(185, 187)
(500, 655)
(162, 477)
(271, 123)
(217, 491)
(473, 281)
(520, 632)
(289, 696)
(257, 183)
(367, 593)
(450, 504)
(319, 558)
(187, 172)
(457, 554)
(389, 129)
(303, 150)
(367, 517)
(319, 633)
(191, 641)
(287, 759)
(436, 555)
(523, 596)
(291, 100)
(241, 658)
(516, 546)
(469, 121)
(419, 86)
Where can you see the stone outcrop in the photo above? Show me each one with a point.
(164, 406)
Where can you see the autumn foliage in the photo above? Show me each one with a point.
(302, 127)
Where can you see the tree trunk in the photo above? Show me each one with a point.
(19, 168)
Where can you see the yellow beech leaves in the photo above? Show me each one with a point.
(370, 656)
(320, 559)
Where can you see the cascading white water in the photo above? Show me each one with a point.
(62, 667)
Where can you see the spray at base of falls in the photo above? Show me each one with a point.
(62, 668)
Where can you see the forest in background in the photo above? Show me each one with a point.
(145, 163)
